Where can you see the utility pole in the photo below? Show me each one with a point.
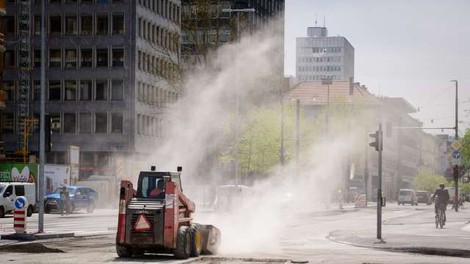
(42, 121)
(456, 166)
(297, 135)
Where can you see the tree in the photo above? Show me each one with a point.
(465, 148)
(427, 181)
(260, 139)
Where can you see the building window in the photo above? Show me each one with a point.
(102, 1)
(85, 123)
(101, 123)
(87, 25)
(36, 91)
(37, 25)
(9, 26)
(70, 90)
(9, 59)
(101, 93)
(37, 58)
(118, 24)
(118, 57)
(116, 122)
(55, 58)
(55, 123)
(8, 123)
(55, 25)
(101, 57)
(70, 121)
(85, 90)
(54, 90)
(117, 90)
(86, 58)
(102, 25)
(9, 90)
(71, 25)
(71, 58)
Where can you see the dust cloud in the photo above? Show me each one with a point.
(254, 222)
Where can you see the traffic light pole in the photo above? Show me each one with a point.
(378, 145)
(379, 187)
(456, 167)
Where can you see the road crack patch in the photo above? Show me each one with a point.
(29, 248)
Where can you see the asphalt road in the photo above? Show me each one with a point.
(259, 236)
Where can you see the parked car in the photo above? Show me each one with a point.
(407, 196)
(10, 190)
(81, 197)
(423, 197)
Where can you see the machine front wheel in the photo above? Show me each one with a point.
(196, 240)
(183, 243)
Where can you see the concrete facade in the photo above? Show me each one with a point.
(107, 65)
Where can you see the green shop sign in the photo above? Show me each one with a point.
(18, 172)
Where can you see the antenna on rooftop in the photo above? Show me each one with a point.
(324, 21)
(316, 16)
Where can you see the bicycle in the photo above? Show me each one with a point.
(441, 216)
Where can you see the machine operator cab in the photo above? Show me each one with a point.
(151, 184)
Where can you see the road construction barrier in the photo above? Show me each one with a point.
(361, 200)
(19, 215)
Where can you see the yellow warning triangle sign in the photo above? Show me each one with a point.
(142, 224)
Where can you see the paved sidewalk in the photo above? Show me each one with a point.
(395, 239)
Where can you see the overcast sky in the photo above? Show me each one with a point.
(403, 48)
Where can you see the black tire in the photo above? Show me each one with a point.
(2, 212)
(183, 243)
(29, 212)
(196, 240)
(47, 210)
(90, 208)
(124, 252)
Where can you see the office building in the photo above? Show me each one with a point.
(319, 57)
(108, 63)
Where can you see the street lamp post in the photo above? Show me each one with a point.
(456, 166)
(237, 96)
(327, 82)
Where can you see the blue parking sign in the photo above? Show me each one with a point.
(456, 154)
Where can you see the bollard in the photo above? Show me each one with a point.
(19, 215)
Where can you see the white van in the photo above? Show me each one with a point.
(407, 196)
(10, 190)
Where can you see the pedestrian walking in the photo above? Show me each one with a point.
(64, 201)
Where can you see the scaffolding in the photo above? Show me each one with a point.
(24, 75)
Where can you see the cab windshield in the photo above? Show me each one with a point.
(70, 190)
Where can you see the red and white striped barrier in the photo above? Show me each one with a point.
(19, 215)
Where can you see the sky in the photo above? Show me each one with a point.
(403, 48)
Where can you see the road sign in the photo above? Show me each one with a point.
(456, 154)
(142, 224)
(456, 145)
(20, 202)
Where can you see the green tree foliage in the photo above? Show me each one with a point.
(260, 139)
(427, 181)
(465, 149)
(465, 187)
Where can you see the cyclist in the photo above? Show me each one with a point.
(442, 198)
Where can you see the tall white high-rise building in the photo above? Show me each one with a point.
(321, 57)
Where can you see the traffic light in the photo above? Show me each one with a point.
(456, 172)
(47, 134)
(377, 143)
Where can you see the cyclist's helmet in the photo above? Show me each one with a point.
(442, 185)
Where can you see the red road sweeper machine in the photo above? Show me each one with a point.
(156, 218)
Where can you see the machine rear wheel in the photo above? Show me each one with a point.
(90, 208)
(183, 243)
(124, 252)
(196, 240)
(2, 212)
